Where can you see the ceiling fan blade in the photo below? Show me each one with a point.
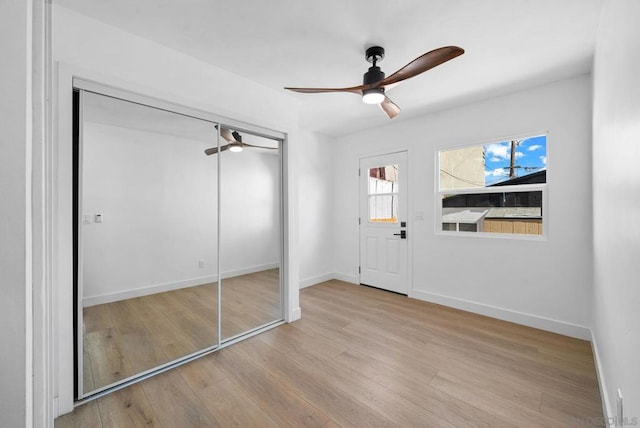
(227, 135)
(423, 63)
(214, 150)
(389, 107)
(353, 89)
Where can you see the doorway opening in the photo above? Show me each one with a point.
(383, 222)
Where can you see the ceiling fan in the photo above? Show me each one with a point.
(374, 82)
(235, 144)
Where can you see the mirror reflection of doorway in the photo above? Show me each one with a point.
(178, 249)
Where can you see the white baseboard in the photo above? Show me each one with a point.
(316, 280)
(604, 394)
(145, 291)
(294, 315)
(353, 279)
(548, 324)
(249, 269)
(169, 286)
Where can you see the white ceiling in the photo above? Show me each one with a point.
(510, 44)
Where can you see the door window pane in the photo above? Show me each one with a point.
(383, 208)
(383, 194)
(383, 179)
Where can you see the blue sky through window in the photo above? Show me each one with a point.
(530, 157)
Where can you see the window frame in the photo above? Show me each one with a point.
(518, 188)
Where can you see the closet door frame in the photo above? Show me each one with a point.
(83, 86)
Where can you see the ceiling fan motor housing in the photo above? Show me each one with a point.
(374, 74)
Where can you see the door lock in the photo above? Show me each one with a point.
(402, 234)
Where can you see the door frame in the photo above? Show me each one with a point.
(410, 219)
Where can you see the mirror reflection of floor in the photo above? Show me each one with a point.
(127, 337)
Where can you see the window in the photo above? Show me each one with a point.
(496, 188)
(383, 194)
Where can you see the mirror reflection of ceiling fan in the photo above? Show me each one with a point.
(234, 143)
(374, 82)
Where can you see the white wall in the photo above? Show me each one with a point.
(105, 51)
(315, 181)
(157, 195)
(15, 194)
(249, 212)
(616, 204)
(90, 49)
(551, 280)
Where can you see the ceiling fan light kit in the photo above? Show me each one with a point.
(374, 82)
(373, 96)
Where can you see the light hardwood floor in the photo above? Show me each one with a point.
(127, 337)
(362, 357)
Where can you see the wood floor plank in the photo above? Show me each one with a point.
(570, 413)
(500, 378)
(142, 351)
(358, 357)
(411, 360)
(127, 407)
(281, 403)
(288, 338)
(315, 386)
(96, 318)
(175, 404)
(165, 330)
(230, 405)
(484, 358)
(484, 400)
(88, 383)
(201, 374)
(141, 333)
(125, 316)
(415, 387)
(375, 395)
(508, 388)
(546, 380)
(108, 361)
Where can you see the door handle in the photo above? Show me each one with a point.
(402, 234)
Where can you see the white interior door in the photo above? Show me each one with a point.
(383, 222)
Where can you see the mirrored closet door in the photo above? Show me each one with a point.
(178, 237)
(250, 233)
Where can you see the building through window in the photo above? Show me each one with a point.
(494, 188)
